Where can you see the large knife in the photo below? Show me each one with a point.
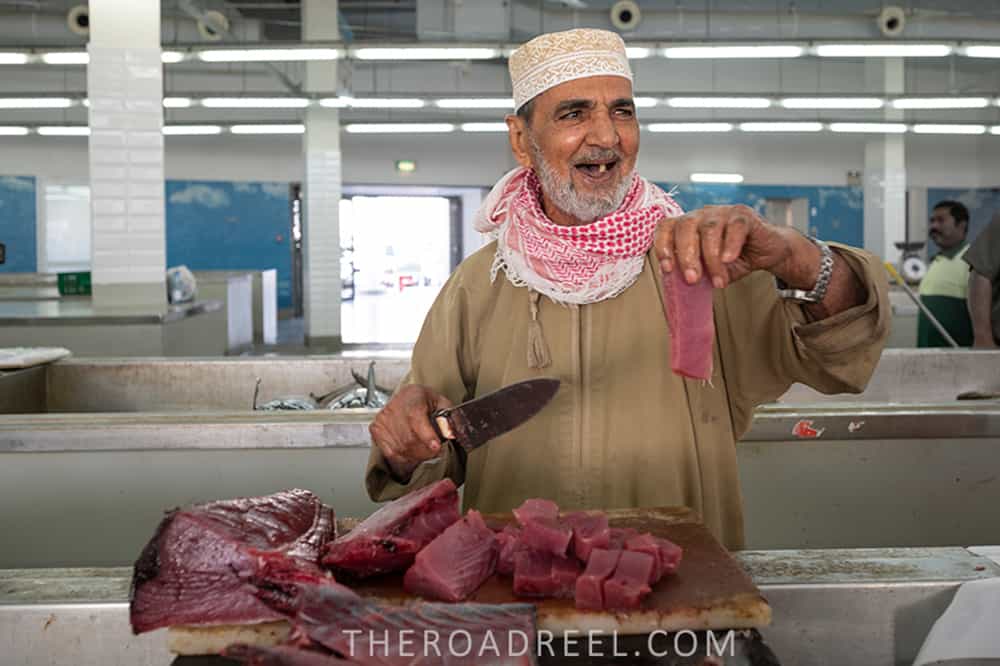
(475, 422)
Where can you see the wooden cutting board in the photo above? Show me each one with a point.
(709, 590)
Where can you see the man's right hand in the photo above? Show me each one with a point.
(403, 432)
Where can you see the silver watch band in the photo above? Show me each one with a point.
(818, 292)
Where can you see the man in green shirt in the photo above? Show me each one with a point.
(945, 287)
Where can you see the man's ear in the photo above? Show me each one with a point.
(520, 142)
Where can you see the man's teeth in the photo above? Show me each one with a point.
(602, 168)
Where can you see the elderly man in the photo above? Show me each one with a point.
(571, 288)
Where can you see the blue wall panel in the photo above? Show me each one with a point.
(231, 226)
(17, 224)
(835, 213)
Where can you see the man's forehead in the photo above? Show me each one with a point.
(595, 88)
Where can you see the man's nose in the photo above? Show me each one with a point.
(603, 131)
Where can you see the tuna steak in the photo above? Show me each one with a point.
(546, 534)
(389, 539)
(456, 563)
(417, 634)
(195, 568)
(692, 329)
(666, 554)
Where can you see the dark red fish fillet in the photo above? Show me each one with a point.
(692, 328)
(389, 539)
(195, 568)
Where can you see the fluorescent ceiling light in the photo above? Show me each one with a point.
(480, 103)
(781, 127)
(255, 102)
(35, 102)
(266, 55)
(9, 130)
(268, 129)
(64, 130)
(335, 102)
(8, 58)
(883, 50)
(690, 127)
(424, 53)
(644, 102)
(761, 51)
(949, 129)
(385, 103)
(981, 51)
(716, 178)
(484, 127)
(191, 130)
(177, 102)
(940, 103)
(995, 129)
(832, 103)
(171, 57)
(638, 52)
(719, 102)
(869, 128)
(66, 58)
(399, 128)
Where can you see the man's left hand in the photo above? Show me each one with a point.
(731, 242)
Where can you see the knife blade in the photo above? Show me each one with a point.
(475, 422)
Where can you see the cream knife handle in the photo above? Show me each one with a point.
(443, 426)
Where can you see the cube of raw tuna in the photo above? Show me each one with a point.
(590, 585)
(509, 541)
(389, 539)
(456, 563)
(542, 574)
(670, 556)
(589, 531)
(536, 508)
(647, 543)
(546, 534)
(630, 582)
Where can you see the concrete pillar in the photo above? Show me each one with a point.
(125, 88)
(885, 170)
(321, 189)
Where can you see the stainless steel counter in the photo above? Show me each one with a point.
(81, 312)
(874, 605)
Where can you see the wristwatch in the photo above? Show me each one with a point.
(818, 292)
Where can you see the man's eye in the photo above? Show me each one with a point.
(572, 115)
(625, 113)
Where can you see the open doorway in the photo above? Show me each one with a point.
(396, 253)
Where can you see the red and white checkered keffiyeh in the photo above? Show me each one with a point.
(581, 264)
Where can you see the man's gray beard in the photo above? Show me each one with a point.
(564, 196)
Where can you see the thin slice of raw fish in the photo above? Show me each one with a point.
(590, 585)
(389, 539)
(456, 563)
(688, 308)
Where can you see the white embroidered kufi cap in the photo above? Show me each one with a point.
(558, 57)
